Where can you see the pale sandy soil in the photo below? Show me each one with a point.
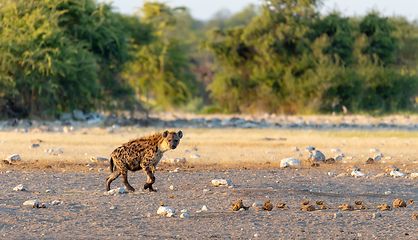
(249, 158)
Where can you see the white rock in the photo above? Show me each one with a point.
(194, 156)
(174, 160)
(32, 202)
(332, 174)
(164, 210)
(397, 174)
(377, 158)
(257, 204)
(338, 158)
(98, 159)
(170, 214)
(256, 235)
(286, 162)
(184, 215)
(8, 171)
(184, 210)
(337, 215)
(79, 115)
(388, 158)
(115, 191)
(335, 150)
(349, 158)
(91, 169)
(358, 174)
(49, 191)
(376, 215)
(414, 175)
(172, 187)
(374, 150)
(13, 158)
(100, 170)
(317, 156)
(176, 170)
(205, 208)
(19, 187)
(35, 145)
(310, 148)
(221, 182)
(206, 189)
(56, 202)
(388, 192)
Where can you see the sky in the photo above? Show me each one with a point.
(205, 9)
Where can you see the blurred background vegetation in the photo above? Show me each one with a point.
(281, 57)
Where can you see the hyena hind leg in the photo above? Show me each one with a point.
(115, 174)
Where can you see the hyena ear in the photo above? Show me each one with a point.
(180, 134)
(165, 134)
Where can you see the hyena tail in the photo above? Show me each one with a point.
(112, 166)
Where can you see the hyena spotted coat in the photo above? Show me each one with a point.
(142, 153)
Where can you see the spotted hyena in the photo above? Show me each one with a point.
(142, 153)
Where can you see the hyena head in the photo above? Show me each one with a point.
(171, 139)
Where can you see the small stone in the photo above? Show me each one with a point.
(184, 215)
(194, 156)
(310, 148)
(306, 202)
(374, 150)
(206, 190)
(308, 208)
(236, 206)
(358, 174)
(317, 156)
(415, 216)
(35, 145)
(56, 202)
(337, 215)
(98, 159)
(32, 203)
(391, 168)
(281, 205)
(323, 207)
(358, 202)
(362, 207)
(287, 162)
(384, 207)
(162, 210)
(256, 204)
(184, 210)
(330, 160)
(396, 174)
(256, 235)
(369, 161)
(399, 203)
(13, 158)
(221, 182)
(319, 202)
(172, 187)
(332, 174)
(347, 207)
(115, 191)
(19, 187)
(410, 201)
(170, 214)
(205, 208)
(100, 170)
(376, 215)
(352, 168)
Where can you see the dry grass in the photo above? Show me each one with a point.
(252, 148)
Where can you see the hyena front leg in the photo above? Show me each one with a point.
(150, 179)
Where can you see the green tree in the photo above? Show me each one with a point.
(160, 71)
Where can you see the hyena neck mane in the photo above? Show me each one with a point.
(159, 141)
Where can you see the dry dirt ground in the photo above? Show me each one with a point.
(248, 157)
